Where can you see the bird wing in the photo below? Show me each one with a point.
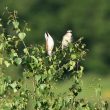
(50, 42)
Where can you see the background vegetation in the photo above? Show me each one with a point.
(88, 18)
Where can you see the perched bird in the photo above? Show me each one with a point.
(67, 38)
(49, 43)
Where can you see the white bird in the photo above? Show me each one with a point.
(49, 43)
(67, 38)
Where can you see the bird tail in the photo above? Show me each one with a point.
(46, 35)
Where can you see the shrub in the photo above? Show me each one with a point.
(41, 70)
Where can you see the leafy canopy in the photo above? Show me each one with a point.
(41, 69)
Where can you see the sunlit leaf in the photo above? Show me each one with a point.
(18, 61)
(25, 50)
(22, 35)
(13, 85)
(7, 64)
(73, 56)
(42, 86)
(1, 61)
(0, 25)
(38, 77)
(15, 24)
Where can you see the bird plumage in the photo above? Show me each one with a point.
(67, 38)
(49, 43)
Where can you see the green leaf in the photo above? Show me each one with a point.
(18, 30)
(50, 58)
(71, 68)
(0, 25)
(2, 86)
(49, 71)
(15, 24)
(25, 51)
(35, 59)
(44, 77)
(1, 61)
(22, 35)
(37, 78)
(13, 85)
(16, 43)
(13, 53)
(7, 64)
(28, 29)
(18, 61)
(81, 68)
(72, 65)
(73, 56)
(42, 86)
(1, 46)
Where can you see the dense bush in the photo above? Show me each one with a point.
(39, 69)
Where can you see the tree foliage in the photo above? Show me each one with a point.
(89, 18)
(41, 70)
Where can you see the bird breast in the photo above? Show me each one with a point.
(67, 38)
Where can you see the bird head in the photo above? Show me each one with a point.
(69, 31)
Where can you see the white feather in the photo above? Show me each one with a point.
(67, 38)
(49, 43)
(46, 36)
